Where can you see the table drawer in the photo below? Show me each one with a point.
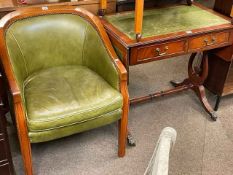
(208, 40)
(157, 51)
(3, 154)
(5, 169)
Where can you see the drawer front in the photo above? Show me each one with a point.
(5, 169)
(209, 40)
(3, 154)
(157, 51)
(1, 128)
(2, 125)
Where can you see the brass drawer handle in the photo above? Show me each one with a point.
(213, 41)
(163, 53)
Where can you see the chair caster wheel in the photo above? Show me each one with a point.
(131, 140)
(213, 116)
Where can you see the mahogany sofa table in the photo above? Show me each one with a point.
(166, 33)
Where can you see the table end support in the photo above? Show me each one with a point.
(196, 79)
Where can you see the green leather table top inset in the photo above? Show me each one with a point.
(166, 20)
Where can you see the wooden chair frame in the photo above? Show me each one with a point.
(14, 89)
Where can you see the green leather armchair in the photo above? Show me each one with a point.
(63, 74)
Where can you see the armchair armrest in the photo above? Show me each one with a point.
(15, 92)
(101, 57)
(121, 69)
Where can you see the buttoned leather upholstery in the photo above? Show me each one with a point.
(67, 79)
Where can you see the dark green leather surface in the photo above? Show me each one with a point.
(67, 80)
(73, 94)
(166, 20)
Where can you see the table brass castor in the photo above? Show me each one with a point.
(213, 116)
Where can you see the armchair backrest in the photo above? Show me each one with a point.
(47, 38)
(45, 41)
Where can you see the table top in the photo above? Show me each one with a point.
(164, 22)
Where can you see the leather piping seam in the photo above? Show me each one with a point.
(79, 122)
(17, 42)
(75, 113)
(84, 44)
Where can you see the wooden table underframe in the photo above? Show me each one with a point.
(135, 51)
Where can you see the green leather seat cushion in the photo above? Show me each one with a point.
(166, 20)
(65, 96)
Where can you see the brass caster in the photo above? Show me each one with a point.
(174, 83)
(101, 12)
(131, 140)
(213, 116)
(138, 37)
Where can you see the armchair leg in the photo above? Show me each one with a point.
(25, 145)
(122, 134)
(26, 155)
(123, 122)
